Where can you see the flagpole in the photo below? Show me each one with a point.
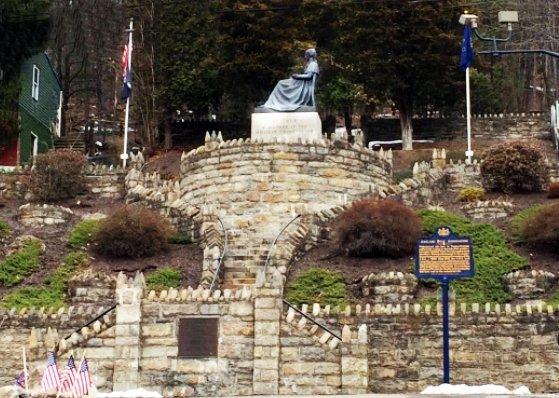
(124, 155)
(469, 152)
(25, 371)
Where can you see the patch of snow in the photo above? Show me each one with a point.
(138, 393)
(463, 389)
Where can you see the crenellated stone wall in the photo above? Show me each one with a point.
(266, 346)
(101, 181)
(255, 189)
(509, 126)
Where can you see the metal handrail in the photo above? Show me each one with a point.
(90, 322)
(274, 243)
(311, 319)
(222, 255)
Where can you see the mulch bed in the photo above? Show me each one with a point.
(187, 258)
(352, 269)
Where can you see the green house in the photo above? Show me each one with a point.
(39, 107)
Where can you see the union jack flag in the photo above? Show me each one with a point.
(51, 378)
(20, 380)
(83, 381)
(68, 377)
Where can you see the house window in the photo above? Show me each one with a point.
(35, 86)
(198, 337)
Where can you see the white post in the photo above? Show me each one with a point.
(469, 152)
(124, 155)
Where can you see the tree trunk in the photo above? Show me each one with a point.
(167, 120)
(347, 120)
(405, 109)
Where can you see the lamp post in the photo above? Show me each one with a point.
(508, 18)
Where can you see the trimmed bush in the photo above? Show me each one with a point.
(515, 227)
(493, 258)
(20, 264)
(83, 232)
(513, 167)
(132, 232)
(471, 194)
(163, 278)
(318, 285)
(373, 228)
(52, 295)
(57, 175)
(541, 229)
(553, 190)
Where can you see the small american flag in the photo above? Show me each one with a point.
(20, 380)
(68, 378)
(51, 378)
(83, 381)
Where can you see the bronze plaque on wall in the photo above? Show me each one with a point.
(198, 337)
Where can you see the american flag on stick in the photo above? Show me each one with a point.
(83, 381)
(51, 378)
(68, 377)
(20, 380)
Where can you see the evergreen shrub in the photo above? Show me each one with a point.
(493, 258)
(57, 175)
(21, 263)
(163, 278)
(513, 167)
(83, 232)
(54, 294)
(471, 194)
(377, 228)
(318, 285)
(541, 229)
(132, 232)
(5, 229)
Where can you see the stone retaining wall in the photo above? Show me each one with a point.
(512, 126)
(101, 181)
(257, 188)
(34, 215)
(262, 348)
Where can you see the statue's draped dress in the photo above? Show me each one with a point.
(290, 94)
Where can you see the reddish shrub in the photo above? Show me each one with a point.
(541, 229)
(132, 231)
(513, 167)
(373, 228)
(57, 175)
(553, 190)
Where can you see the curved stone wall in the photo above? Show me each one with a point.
(257, 188)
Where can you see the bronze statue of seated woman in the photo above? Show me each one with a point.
(297, 92)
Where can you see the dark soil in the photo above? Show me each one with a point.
(187, 258)
(165, 163)
(352, 268)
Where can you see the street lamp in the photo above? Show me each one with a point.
(504, 17)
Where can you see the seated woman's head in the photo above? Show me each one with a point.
(310, 53)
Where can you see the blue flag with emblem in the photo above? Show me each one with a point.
(467, 53)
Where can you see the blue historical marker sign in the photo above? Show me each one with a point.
(444, 256)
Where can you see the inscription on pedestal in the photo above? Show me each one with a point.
(289, 126)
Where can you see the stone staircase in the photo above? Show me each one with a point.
(71, 141)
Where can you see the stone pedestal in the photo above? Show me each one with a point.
(287, 126)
